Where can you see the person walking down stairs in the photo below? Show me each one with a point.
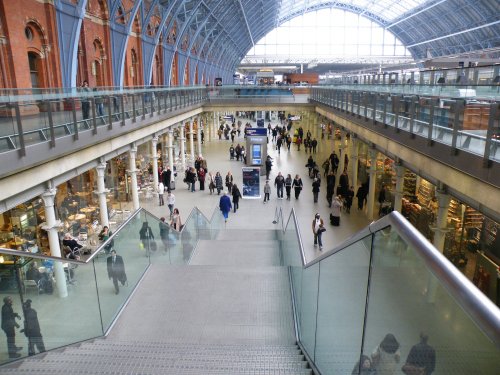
(225, 205)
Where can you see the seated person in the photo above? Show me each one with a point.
(104, 236)
(70, 242)
(33, 273)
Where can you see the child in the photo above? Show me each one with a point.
(267, 191)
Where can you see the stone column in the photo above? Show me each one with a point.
(133, 177)
(154, 158)
(191, 140)
(182, 139)
(101, 193)
(373, 181)
(398, 194)
(354, 162)
(440, 231)
(164, 150)
(171, 153)
(51, 226)
(198, 135)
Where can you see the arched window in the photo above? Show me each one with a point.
(33, 59)
(329, 34)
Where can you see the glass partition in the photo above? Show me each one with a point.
(377, 297)
(52, 311)
(113, 290)
(343, 283)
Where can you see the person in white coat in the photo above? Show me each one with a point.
(161, 191)
(171, 202)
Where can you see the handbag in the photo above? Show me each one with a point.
(412, 369)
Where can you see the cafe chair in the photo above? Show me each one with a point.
(30, 284)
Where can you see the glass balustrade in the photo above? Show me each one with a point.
(77, 301)
(30, 116)
(384, 283)
(469, 125)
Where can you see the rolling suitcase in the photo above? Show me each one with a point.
(172, 185)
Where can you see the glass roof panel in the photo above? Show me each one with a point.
(388, 10)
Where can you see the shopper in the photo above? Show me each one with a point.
(170, 202)
(318, 227)
(279, 182)
(175, 222)
(336, 208)
(104, 236)
(267, 191)
(349, 196)
(147, 238)
(421, 359)
(116, 270)
(164, 231)
(218, 183)
(9, 325)
(330, 187)
(385, 357)
(297, 185)
(201, 178)
(269, 165)
(315, 189)
(32, 329)
(229, 182)
(288, 186)
(211, 183)
(236, 197)
(225, 205)
(361, 195)
(161, 191)
(381, 199)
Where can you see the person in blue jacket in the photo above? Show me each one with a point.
(225, 205)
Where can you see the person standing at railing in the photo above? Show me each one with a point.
(85, 100)
(99, 103)
(9, 325)
(32, 329)
(421, 359)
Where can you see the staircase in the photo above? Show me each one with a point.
(229, 312)
(104, 357)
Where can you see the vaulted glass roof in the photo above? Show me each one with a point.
(387, 10)
(223, 31)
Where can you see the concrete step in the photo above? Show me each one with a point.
(237, 252)
(246, 235)
(158, 371)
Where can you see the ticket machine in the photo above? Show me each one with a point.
(257, 148)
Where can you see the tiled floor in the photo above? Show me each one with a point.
(255, 214)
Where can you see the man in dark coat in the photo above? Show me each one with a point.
(166, 177)
(116, 270)
(330, 187)
(422, 355)
(8, 325)
(32, 329)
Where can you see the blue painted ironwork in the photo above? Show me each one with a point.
(69, 18)
(119, 38)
